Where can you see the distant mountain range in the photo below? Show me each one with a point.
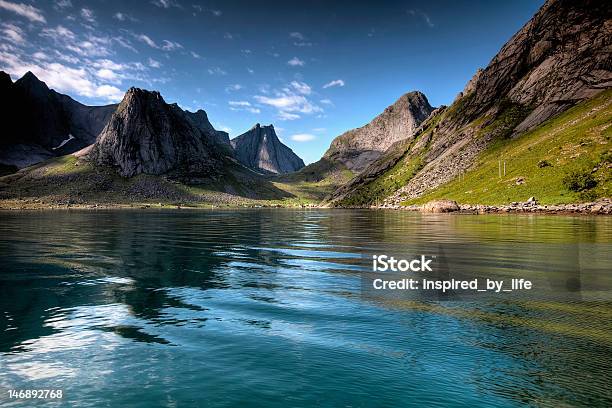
(543, 105)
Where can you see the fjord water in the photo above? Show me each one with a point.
(265, 308)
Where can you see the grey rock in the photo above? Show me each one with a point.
(357, 148)
(260, 149)
(147, 135)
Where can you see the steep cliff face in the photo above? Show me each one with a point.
(559, 58)
(40, 123)
(147, 135)
(260, 149)
(200, 120)
(357, 148)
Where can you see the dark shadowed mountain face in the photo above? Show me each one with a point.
(147, 135)
(357, 148)
(39, 123)
(260, 149)
(200, 120)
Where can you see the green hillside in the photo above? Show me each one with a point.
(566, 159)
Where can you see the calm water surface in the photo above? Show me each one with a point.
(265, 308)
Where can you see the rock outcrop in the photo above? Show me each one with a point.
(559, 58)
(260, 149)
(40, 123)
(357, 148)
(147, 135)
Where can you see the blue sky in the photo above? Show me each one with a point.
(314, 69)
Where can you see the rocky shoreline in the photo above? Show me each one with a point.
(600, 207)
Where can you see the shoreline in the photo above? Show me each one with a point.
(600, 207)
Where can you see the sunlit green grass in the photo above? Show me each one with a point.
(577, 140)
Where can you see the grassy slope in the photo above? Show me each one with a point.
(576, 140)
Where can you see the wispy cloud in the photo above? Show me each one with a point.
(62, 4)
(170, 45)
(154, 63)
(326, 102)
(424, 16)
(335, 82)
(216, 71)
(124, 17)
(233, 88)
(296, 62)
(88, 15)
(301, 87)
(296, 35)
(13, 33)
(290, 101)
(25, 10)
(195, 55)
(165, 3)
(243, 106)
(303, 137)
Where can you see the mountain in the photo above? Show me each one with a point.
(560, 58)
(260, 149)
(147, 135)
(357, 148)
(41, 123)
(200, 120)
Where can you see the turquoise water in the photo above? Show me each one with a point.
(264, 308)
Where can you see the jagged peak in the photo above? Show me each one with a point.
(29, 80)
(5, 77)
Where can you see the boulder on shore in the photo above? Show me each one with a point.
(440, 206)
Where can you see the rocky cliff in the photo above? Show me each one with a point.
(357, 148)
(147, 135)
(559, 58)
(40, 123)
(260, 149)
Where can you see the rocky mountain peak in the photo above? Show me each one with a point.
(147, 135)
(357, 148)
(260, 149)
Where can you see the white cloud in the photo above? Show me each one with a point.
(109, 93)
(288, 102)
(108, 74)
(326, 102)
(295, 62)
(239, 103)
(147, 40)
(88, 15)
(302, 44)
(25, 10)
(40, 56)
(154, 63)
(195, 55)
(228, 36)
(170, 45)
(422, 15)
(216, 71)
(13, 33)
(216, 13)
(250, 71)
(303, 137)
(233, 87)
(335, 82)
(61, 77)
(62, 4)
(287, 116)
(319, 130)
(301, 87)
(165, 3)
(124, 17)
(296, 35)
